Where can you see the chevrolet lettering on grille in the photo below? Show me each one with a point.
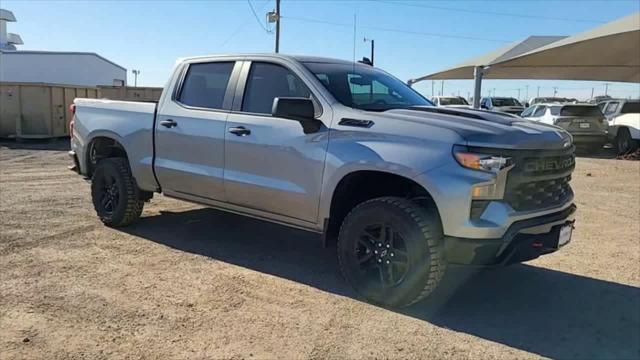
(548, 165)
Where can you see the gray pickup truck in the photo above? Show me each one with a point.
(342, 149)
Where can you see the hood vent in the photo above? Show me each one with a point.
(356, 123)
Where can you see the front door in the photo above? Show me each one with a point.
(270, 163)
(190, 132)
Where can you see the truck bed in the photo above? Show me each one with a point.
(131, 123)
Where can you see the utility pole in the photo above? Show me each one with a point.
(555, 91)
(538, 95)
(518, 94)
(606, 89)
(442, 88)
(135, 77)
(372, 48)
(278, 26)
(526, 93)
(591, 98)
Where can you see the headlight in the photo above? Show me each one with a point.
(490, 163)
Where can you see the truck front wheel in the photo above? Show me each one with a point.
(391, 251)
(114, 193)
(624, 143)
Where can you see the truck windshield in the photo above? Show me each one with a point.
(365, 87)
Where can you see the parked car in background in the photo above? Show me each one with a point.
(450, 101)
(585, 122)
(614, 107)
(340, 149)
(624, 123)
(504, 104)
(549, 100)
(600, 98)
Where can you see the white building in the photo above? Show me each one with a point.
(53, 67)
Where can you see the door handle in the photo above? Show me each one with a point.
(169, 123)
(240, 131)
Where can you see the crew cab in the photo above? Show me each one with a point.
(341, 149)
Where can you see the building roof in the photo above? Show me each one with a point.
(19, 52)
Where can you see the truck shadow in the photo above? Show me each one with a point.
(546, 312)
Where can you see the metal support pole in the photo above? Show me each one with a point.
(278, 26)
(373, 42)
(477, 76)
(442, 88)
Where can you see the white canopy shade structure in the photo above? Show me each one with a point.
(610, 52)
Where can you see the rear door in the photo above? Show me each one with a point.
(190, 131)
(271, 165)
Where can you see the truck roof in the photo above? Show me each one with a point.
(300, 58)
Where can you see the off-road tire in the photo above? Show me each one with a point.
(421, 231)
(624, 143)
(129, 205)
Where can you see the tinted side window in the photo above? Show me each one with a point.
(205, 84)
(267, 82)
(540, 111)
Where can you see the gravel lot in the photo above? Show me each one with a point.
(191, 282)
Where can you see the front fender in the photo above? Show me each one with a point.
(406, 157)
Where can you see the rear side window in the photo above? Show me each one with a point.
(267, 82)
(580, 111)
(205, 85)
(555, 110)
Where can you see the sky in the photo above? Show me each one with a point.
(412, 38)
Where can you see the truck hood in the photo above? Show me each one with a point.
(485, 128)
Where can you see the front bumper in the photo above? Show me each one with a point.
(524, 240)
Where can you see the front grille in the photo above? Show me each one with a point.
(538, 194)
(540, 179)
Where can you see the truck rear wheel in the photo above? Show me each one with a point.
(115, 194)
(391, 251)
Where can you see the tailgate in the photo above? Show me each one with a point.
(581, 124)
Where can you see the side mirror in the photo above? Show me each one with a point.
(526, 104)
(299, 109)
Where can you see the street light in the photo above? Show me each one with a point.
(135, 74)
(372, 47)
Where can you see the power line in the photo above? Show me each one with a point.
(241, 26)
(397, 30)
(257, 18)
(489, 12)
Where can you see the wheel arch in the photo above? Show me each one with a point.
(102, 146)
(361, 185)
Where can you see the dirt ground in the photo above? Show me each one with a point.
(190, 282)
